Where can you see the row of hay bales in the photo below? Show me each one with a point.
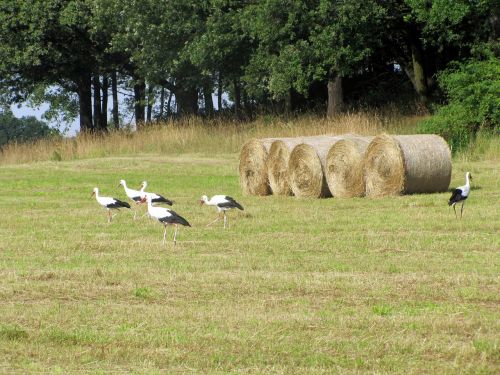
(346, 165)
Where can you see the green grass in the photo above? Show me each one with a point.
(392, 285)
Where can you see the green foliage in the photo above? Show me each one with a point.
(45, 41)
(24, 129)
(344, 34)
(300, 42)
(264, 50)
(473, 92)
(451, 22)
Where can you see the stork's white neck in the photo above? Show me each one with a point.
(467, 182)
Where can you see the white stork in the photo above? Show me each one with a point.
(166, 217)
(109, 203)
(460, 194)
(134, 195)
(223, 203)
(155, 198)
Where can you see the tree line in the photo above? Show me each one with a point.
(22, 130)
(267, 55)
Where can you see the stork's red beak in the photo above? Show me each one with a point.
(93, 193)
(143, 200)
(202, 202)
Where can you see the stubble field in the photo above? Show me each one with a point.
(392, 285)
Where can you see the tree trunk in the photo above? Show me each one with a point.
(97, 101)
(187, 101)
(85, 102)
(151, 101)
(114, 90)
(140, 110)
(335, 96)
(419, 75)
(209, 102)
(288, 102)
(246, 103)
(169, 103)
(237, 98)
(104, 109)
(162, 102)
(219, 93)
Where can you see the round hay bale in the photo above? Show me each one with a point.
(344, 167)
(253, 172)
(277, 164)
(406, 164)
(307, 164)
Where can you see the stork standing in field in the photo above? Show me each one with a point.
(460, 194)
(134, 195)
(155, 198)
(223, 203)
(166, 217)
(109, 203)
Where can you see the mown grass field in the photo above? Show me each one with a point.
(393, 285)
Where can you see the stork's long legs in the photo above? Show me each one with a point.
(225, 219)
(110, 217)
(175, 234)
(454, 209)
(462, 210)
(164, 234)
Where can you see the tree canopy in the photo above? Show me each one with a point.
(24, 129)
(267, 55)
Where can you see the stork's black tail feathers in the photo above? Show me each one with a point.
(162, 200)
(119, 204)
(455, 197)
(175, 218)
(233, 203)
(182, 221)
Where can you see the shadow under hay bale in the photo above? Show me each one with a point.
(306, 166)
(344, 167)
(406, 164)
(253, 172)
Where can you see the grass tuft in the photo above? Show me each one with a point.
(143, 293)
(12, 332)
(382, 309)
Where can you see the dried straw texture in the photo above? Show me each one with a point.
(307, 164)
(190, 135)
(406, 164)
(253, 171)
(277, 164)
(344, 167)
